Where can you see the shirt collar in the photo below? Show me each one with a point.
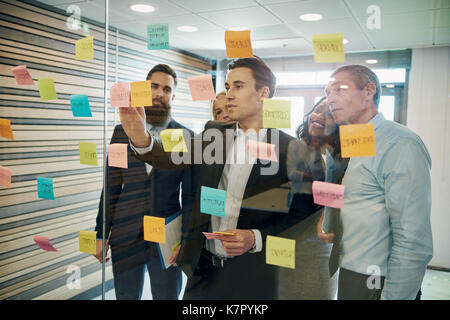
(377, 120)
(158, 127)
(240, 133)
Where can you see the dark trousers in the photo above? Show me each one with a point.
(129, 280)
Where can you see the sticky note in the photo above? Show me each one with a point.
(84, 48)
(158, 36)
(224, 233)
(88, 153)
(5, 177)
(47, 89)
(118, 155)
(328, 194)
(238, 44)
(44, 243)
(201, 87)
(120, 95)
(141, 93)
(280, 252)
(22, 75)
(216, 235)
(45, 188)
(173, 140)
(176, 245)
(80, 105)
(154, 229)
(5, 129)
(212, 201)
(276, 113)
(357, 140)
(262, 150)
(328, 47)
(87, 241)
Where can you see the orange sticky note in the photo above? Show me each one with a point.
(154, 229)
(238, 44)
(357, 140)
(117, 155)
(262, 150)
(5, 129)
(202, 87)
(84, 48)
(22, 75)
(141, 93)
(5, 177)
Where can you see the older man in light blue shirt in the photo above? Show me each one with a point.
(385, 226)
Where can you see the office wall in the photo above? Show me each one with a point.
(429, 116)
(46, 137)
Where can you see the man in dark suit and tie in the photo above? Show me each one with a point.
(142, 190)
(231, 267)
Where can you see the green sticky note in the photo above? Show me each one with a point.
(80, 105)
(158, 36)
(280, 252)
(88, 241)
(47, 89)
(276, 113)
(88, 153)
(212, 201)
(45, 188)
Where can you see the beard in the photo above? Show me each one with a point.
(157, 114)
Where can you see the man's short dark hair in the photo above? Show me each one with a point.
(261, 73)
(165, 69)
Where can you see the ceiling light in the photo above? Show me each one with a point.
(345, 41)
(311, 17)
(142, 8)
(371, 61)
(187, 28)
(390, 86)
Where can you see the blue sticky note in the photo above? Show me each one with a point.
(158, 36)
(80, 105)
(212, 201)
(45, 188)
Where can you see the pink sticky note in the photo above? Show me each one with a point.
(117, 155)
(210, 235)
(5, 177)
(328, 194)
(202, 87)
(262, 150)
(22, 75)
(120, 95)
(44, 243)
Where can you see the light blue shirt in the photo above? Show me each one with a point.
(386, 217)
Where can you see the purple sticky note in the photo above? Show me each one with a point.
(328, 194)
(44, 243)
(22, 75)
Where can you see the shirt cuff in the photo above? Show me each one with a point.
(258, 241)
(142, 151)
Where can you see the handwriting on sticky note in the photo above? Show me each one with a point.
(328, 47)
(201, 87)
(280, 252)
(328, 194)
(45, 188)
(22, 75)
(87, 241)
(154, 229)
(5, 177)
(141, 93)
(158, 36)
(47, 89)
(84, 48)
(276, 113)
(357, 140)
(173, 140)
(80, 105)
(118, 155)
(212, 201)
(44, 243)
(238, 44)
(262, 150)
(5, 129)
(88, 153)
(120, 95)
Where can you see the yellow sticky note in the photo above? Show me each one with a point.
(47, 89)
(276, 113)
(357, 140)
(238, 44)
(84, 48)
(328, 47)
(280, 252)
(5, 129)
(141, 93)
(88, 153)
(88, 241)
(154, 229)
(173, 140)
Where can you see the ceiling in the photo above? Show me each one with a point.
(276, 29)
